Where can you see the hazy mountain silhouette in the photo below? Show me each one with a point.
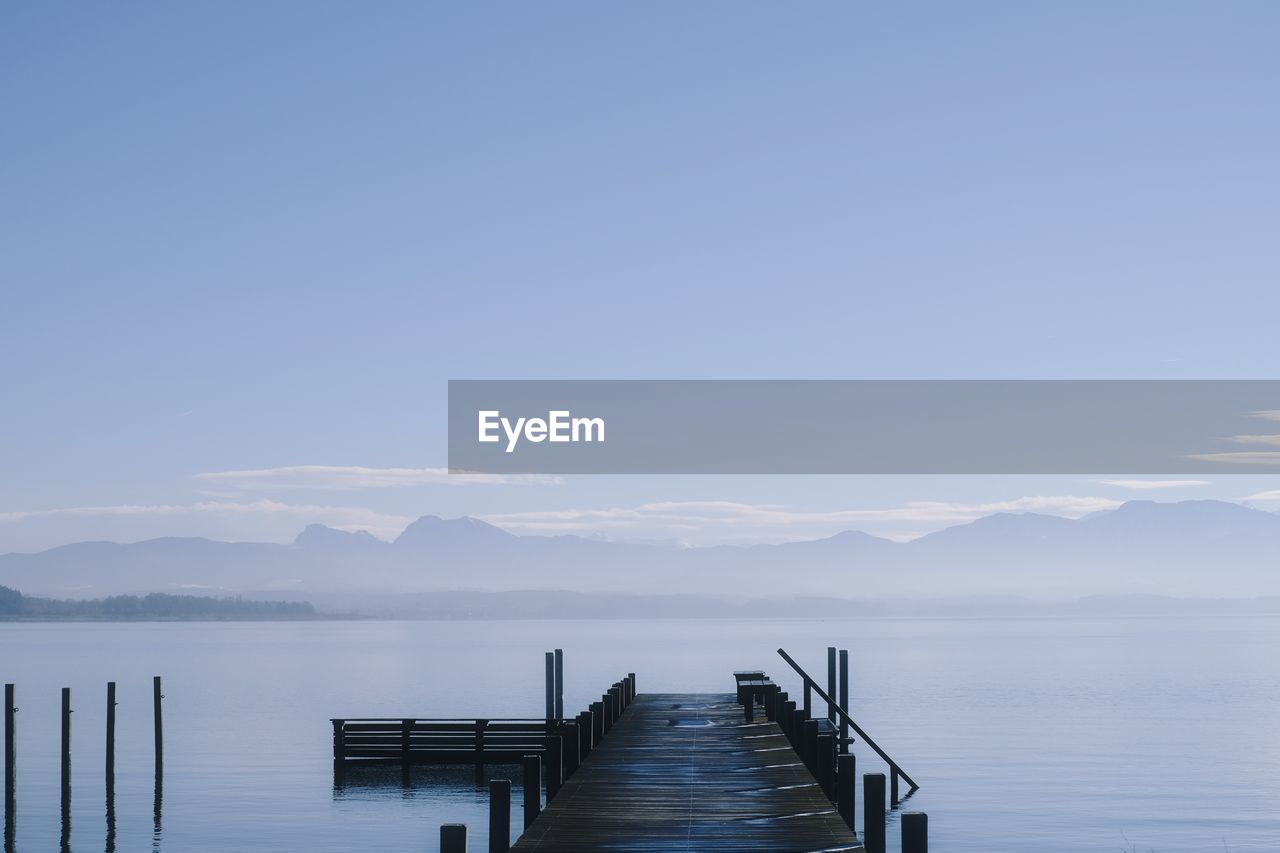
(1191, 548)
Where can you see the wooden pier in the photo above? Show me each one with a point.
(752, 770)
(687, 772)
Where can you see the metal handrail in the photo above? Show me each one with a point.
(831, 703)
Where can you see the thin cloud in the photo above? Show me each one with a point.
(1273, 440)
(1272, 495)
(1267, 414)
(1146, 485)
(1243, 457)
(682, 517)
(351, 477)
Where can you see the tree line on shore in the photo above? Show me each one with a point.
(156, 605)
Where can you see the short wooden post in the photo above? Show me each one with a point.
(66, 743)
(499, 815)
(873, 812)
(532, 785)
(339, 753)
(779, 699)
(406, 765)
(789, 713)
(158, 714)
(10, 749)
(631, 677)
(597, 723)
(555, 765)
(479, 759)
(810, 751)
(111, 737)
(827, 765)
(846, 770)
(893, 786)
(570, 744)
(550, 677)
(585, 726)
(453, 838)
(831, 683)
(808, 700)
(559, 707)
(844, 700)
(606, 702)
(915, 832)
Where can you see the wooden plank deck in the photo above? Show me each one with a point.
(683, 772)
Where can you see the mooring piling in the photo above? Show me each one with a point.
(915, 832)
(453, 838)
(158, 714)
(111, 738)
(846, 768)
(550, 679)
(844, 700)
(10, 749)
(559, 674)
(499, 815)
(873, 812)
(66, 744)
(532, 785)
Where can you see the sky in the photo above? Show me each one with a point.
(244, 246)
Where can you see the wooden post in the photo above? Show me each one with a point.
(873, 812)
(631, 677)
(550, 678)
(156, 696)
(555, 765)
(810, 751)
(406, 766)
(846, 770)
(597, 723)
(827, 764)
(606, 703)
(844, 700)
(10, 750)
(789, 713)
(749, 708)
(779, 699)
(66, 743)
(532, 784)
(339, 753)
(915, 832)
(499, 815)
(479, 757)
(831, 683)
(808, 699)
(559, 709)
(584, 735)
(570, 745)
(893, 786)
(453, 838)
(111, 738)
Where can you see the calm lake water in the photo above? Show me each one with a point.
(1026, 735)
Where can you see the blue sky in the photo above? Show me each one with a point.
(241, 236)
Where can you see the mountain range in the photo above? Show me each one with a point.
(1189, 548)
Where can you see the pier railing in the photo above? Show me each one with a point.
(837, 713)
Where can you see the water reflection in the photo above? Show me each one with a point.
(111, 817)
(10, 807)
(158, 808)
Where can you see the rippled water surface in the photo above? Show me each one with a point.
(1026, 735)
